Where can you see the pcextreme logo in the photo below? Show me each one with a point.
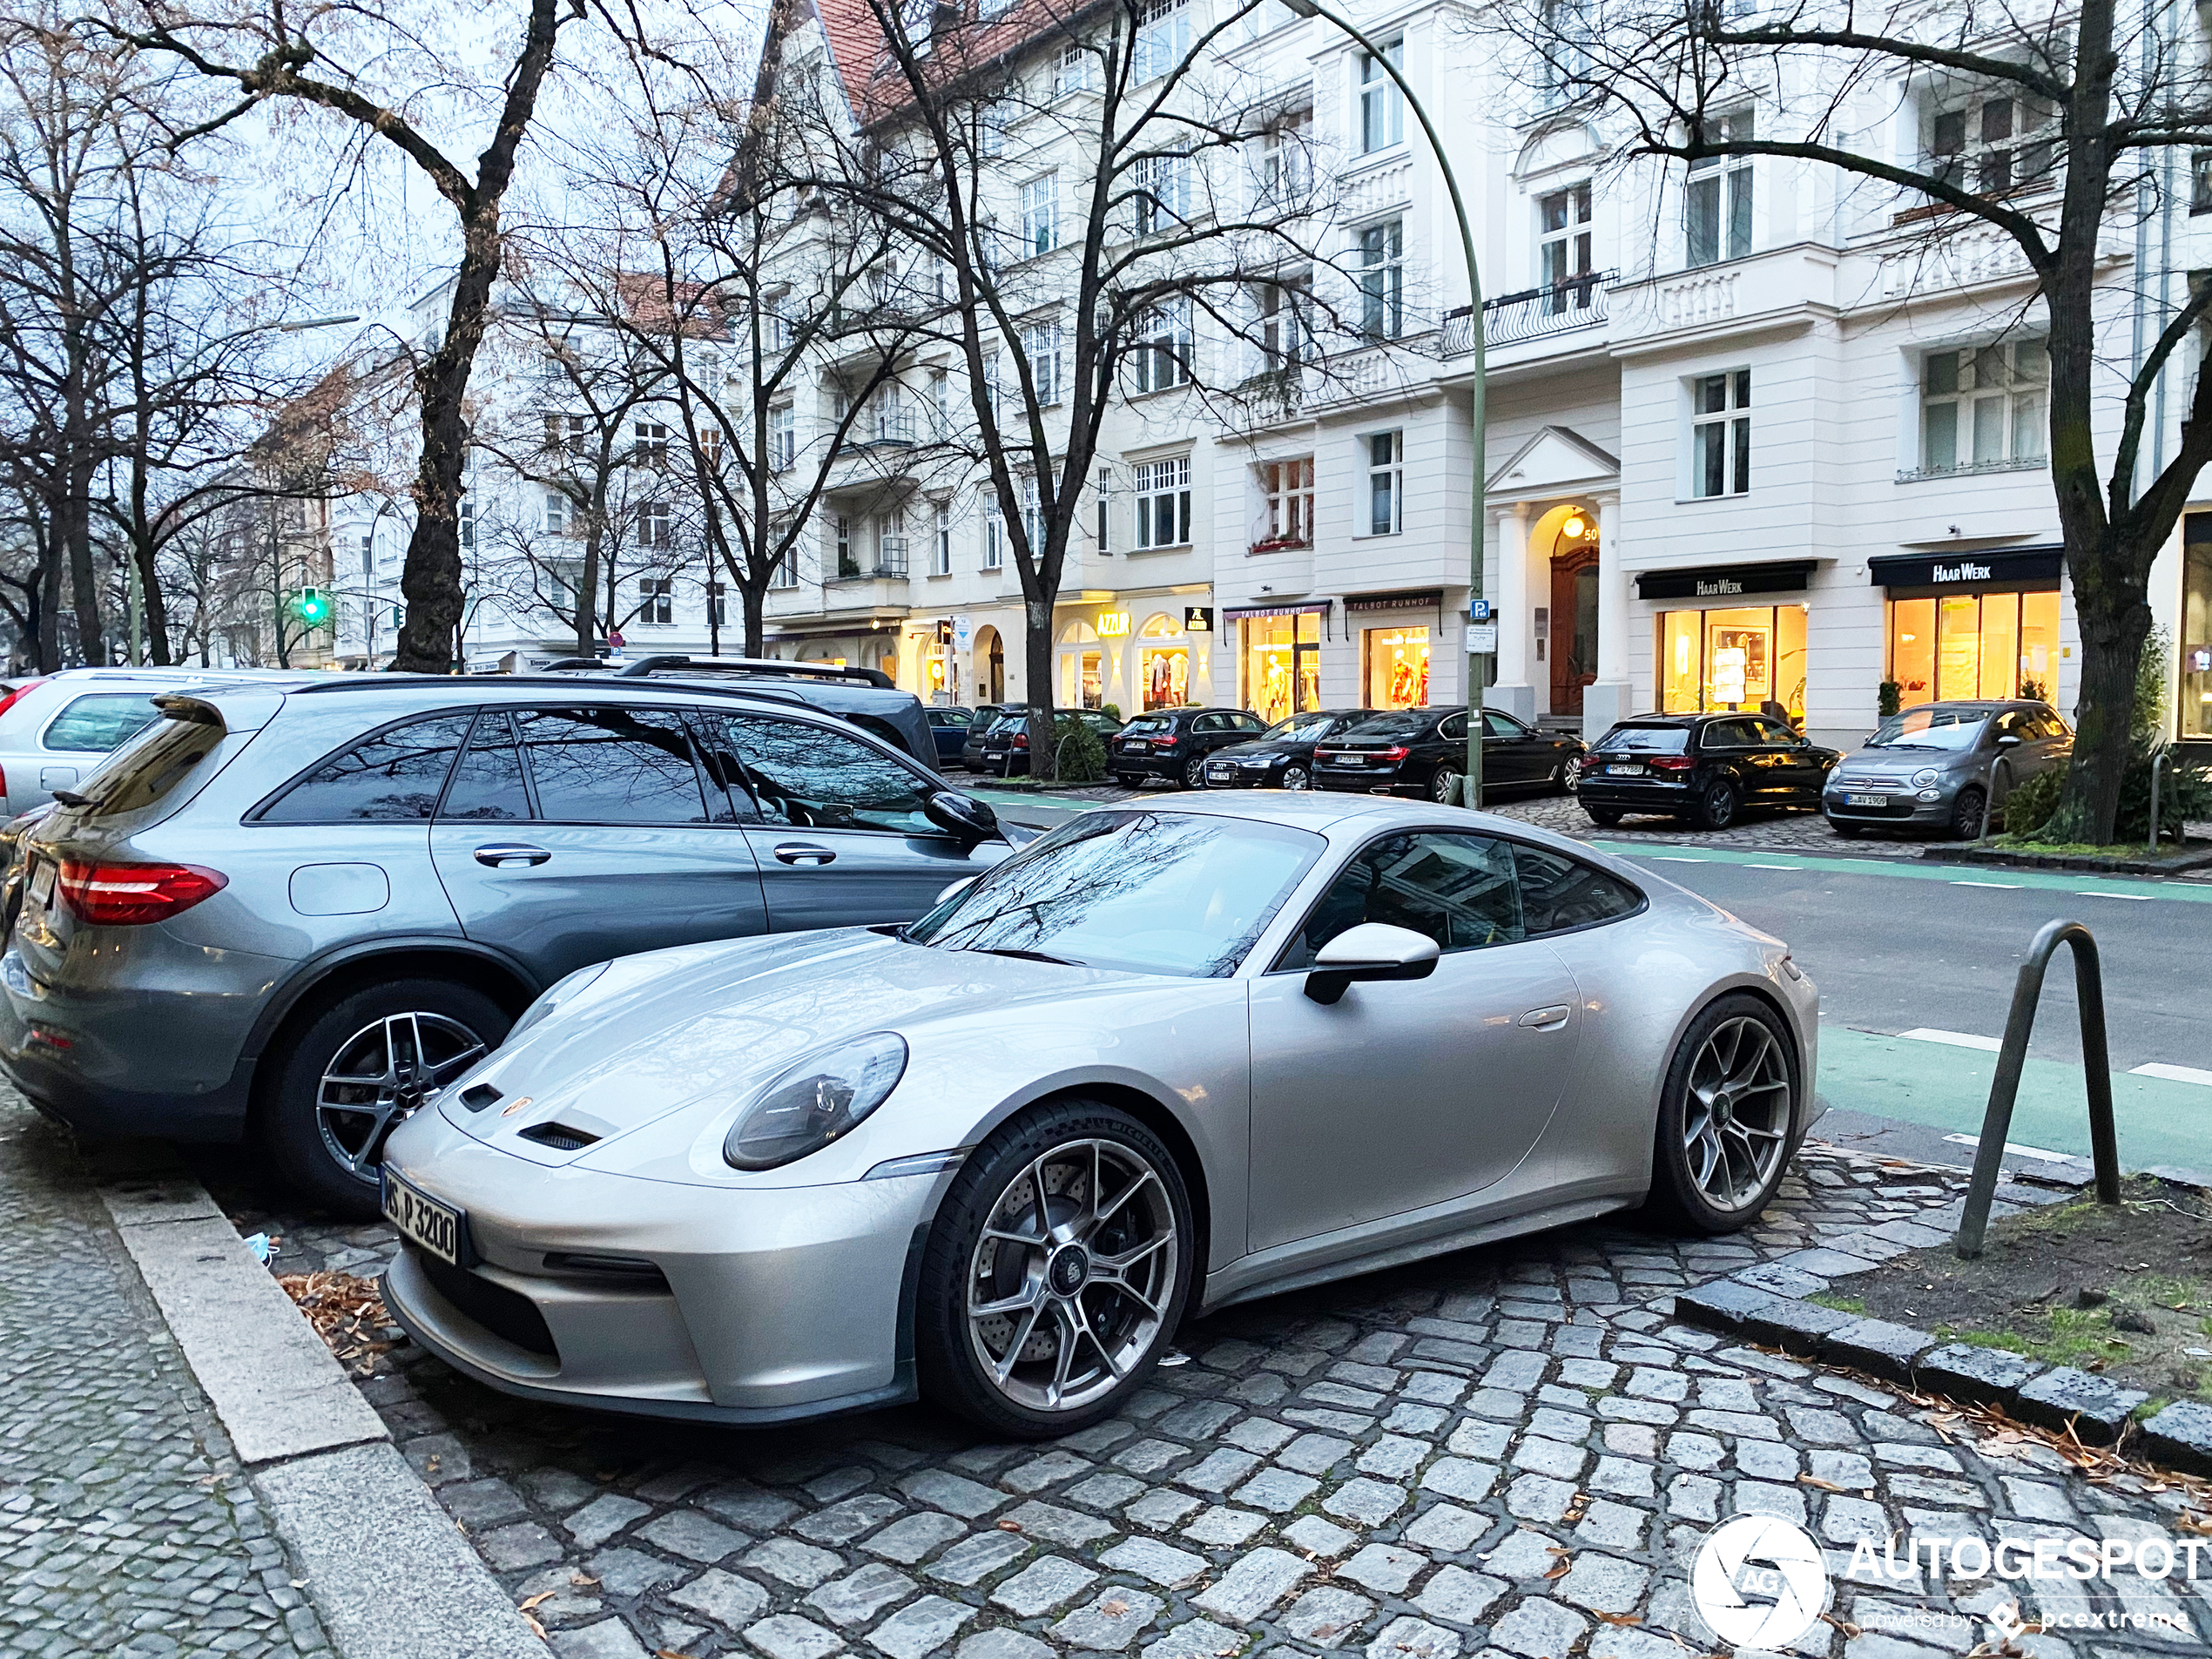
(1759, 1583)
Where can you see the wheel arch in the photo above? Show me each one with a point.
(1760, 991)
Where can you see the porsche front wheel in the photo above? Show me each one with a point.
(1728, 1117)
(1055, 1274)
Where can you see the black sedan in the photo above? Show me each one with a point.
(1006, 746)
(1706, 769)
(979, 727)
(1423, 751)
(1281, 757)
(1175, 743)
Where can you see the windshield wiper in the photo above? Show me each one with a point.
(1022, 955)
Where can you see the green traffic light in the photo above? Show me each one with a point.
(311, 607)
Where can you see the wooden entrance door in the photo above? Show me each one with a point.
(1574, 642)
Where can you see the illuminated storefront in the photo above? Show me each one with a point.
(1732, 655)
(1163, 663)
(1082, 668)
(1396, 666)
(2193, 708)
(1971, 625)
(1279, 667)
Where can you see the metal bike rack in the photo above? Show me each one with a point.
(2004, 763)
(2004, 1091)
(2157, 764)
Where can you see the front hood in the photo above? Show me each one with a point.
(714, 1022)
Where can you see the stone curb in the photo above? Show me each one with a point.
(2183, 863)
(1770, 1304)
(389, 1575)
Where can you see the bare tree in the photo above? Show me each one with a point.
(2097, 115)
(344, 60)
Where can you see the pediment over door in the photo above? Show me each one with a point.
(1556, 460)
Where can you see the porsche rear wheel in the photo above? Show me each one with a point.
(1056, 1272)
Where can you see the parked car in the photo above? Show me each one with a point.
(1174, 744)
(762, 1180)
(1006, 746)
(1282, 756)
(54, 731)
(1707, 769)
(299, 909)
(1423, 751)
(948, 727)
(971, 755)
(1939, 765)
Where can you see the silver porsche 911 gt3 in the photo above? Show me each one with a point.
(1171, 1056)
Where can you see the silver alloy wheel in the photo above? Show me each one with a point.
(1194, 771)
(1070, 1281)
(1736, 1117)
(1297, 777)
(381, 1076)
(1443, 786)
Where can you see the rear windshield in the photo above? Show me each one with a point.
(1645, 740)
(154, 762)
(1144, 722)
(99, 723)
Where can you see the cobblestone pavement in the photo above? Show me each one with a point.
(127, 1529)
(1504, 1453)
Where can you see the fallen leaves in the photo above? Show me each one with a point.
(1620, 1618)
(1009, 1526)
(347, 1312)
(1816, 1482)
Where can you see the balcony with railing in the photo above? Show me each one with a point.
(1533, 314)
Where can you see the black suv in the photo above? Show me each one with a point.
(1423, 751)
(1174, 744)
(1006, 746)
(971, 753)
(1704, 768)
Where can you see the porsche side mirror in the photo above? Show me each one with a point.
(1373, 950)
(962, 816)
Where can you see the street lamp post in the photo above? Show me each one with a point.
(1480, 663)
(368, 583)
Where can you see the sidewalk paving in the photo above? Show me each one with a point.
(127, 1527)
(1398, 1465)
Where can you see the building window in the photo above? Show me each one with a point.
(1288, 488)
(1566, 50)
(1287, 160)
(655, 602)
(1104, 492)
(1386, 483)
(1161, 355)
(1041, 216)
(1990, 145)
(1163, 187)
(656, 524)
(1162, 39)
(991, 122)
(783, 438)
(1073, 71)
(465, 517)
(940, 543)
(652, 444)
(1984, 406)
(1979, 644)
(1382, 279)
(1382, 106)
(2200, 181)
(1397, 667)
(1164, 502)
(848, 563)
(785, 571)
(1280, 664)
(567, 434)
(1717, 199)
(1285, 324)
(994, 533)
(1744, 658)
(1032, 517)
(1041, 344)
(717, 605)
(940, 401)
(894, 421)
(890, 543)
(1720, 434)
(1564, 249)
(556, 512)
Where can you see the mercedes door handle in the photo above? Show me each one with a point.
(1549, 1019)
(501, 853)
(805, 854)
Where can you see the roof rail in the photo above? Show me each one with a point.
(645, 666)
(575, 662)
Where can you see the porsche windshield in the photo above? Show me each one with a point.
(1183, 893)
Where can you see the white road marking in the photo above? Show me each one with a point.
(2016, 1151)
(1773, 867)
(2008, 885)
(2140, 898)
(1662, 857)
(1956, 1039)
(2172, 1073)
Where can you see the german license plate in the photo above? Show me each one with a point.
(1867, 800)
(423, 1220)
(1625, 771)
(1221, 773)
(1137, 746)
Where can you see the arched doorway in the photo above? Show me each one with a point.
(990, 666)
(1082, 674)
(1574, 611)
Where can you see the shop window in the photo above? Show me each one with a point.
(1720, 434)
(1287, 489)
(1397, 667)
(1953, 645)
(2196, 709)
(1280, 673)
(1083, 682)
(1744, 658)
(1164, 663)
(1718, 199)
(1985, 407)
(1164, 502)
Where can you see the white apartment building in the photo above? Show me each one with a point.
(1755, 434)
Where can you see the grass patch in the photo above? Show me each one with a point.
(1841, 1304)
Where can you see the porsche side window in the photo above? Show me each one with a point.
(813, 778)
(1458, 889)
(396, 774)
(1558, 892)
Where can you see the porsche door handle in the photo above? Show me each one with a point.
(505, 852)
(805, 854)
(1549, 1019)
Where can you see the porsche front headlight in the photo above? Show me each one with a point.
(811, 1103)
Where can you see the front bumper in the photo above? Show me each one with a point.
(1905, 809)
(763, 1304)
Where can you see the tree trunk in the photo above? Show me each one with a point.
(2111, 601)
(50, 601)
(152, 606)
(1037, 660)
(756, 623)
(84, 581)
(587, 596)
